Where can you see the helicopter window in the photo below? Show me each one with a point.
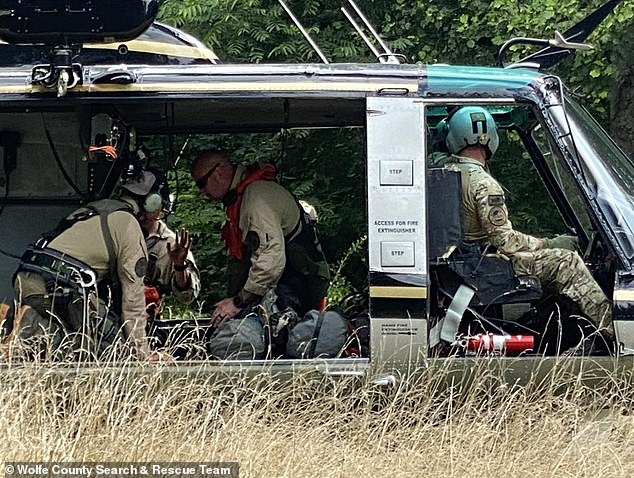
(609, 174)
(563, 176)
(531, 208)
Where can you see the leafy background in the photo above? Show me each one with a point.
(326, 167)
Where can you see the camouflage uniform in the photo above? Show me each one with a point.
(485, 218)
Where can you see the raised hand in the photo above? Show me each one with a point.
(178, 252)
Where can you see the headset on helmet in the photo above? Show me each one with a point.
(471, 125)
(160, 189)
(151, 191)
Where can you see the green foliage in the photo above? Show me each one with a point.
(471, 32)
(306, 160)
(259, 30)
(327, 167)
(426, 31)
(341, 283)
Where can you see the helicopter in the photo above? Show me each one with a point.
(116, 80)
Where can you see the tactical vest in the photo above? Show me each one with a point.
(306, 272)
(56, 268)
(306, 257)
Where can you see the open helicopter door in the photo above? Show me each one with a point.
(397, 229)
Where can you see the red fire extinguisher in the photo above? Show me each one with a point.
(500, 344)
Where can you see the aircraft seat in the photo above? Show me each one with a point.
(456, 262)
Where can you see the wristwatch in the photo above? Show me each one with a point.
(239, 303)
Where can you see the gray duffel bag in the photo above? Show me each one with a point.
(238, 339)
(318, 334)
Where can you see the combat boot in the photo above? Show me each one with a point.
(597, 345)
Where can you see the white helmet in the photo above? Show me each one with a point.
(471, 125)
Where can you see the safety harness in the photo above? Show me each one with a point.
(306, 269)
(230, 232)
(58, 269)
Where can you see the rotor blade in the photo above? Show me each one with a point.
(550, 56)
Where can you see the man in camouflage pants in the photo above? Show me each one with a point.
(472, 139)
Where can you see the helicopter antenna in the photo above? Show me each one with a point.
(558, 42)
(563, 45)
(304, 32)
(362, 34)
(388, 56)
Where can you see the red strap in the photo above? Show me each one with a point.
(323, 303)
(152, 295)
(107, 150)
(230, 232)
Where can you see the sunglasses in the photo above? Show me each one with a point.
(201, 182)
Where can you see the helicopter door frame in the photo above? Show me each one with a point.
(397, 239)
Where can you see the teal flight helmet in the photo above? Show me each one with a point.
(471, 125)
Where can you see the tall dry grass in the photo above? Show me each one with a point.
(319, 428)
